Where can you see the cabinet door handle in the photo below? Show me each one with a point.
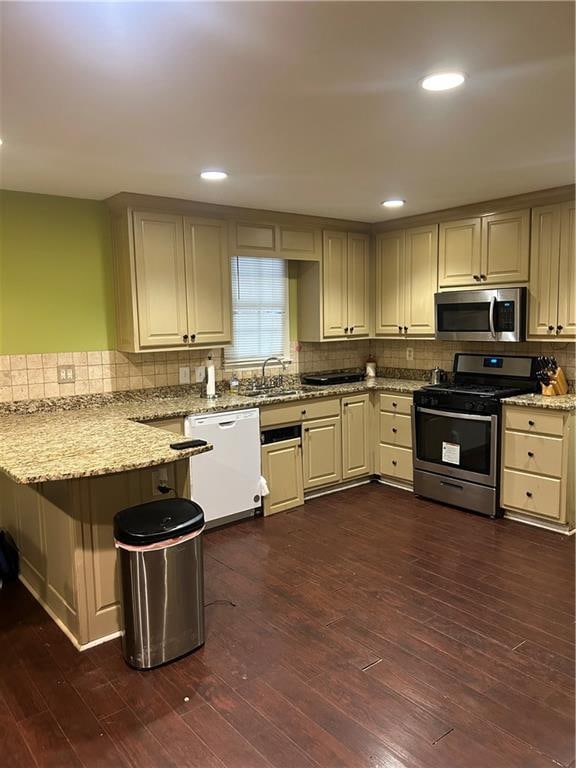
(550, 327)
(394, 405)
(405, 329)
(476, 277)
(185, 337)
(306, 429)
(303, 413)
(346, 330)
(400, 328)
(345, 405)
(559, 328)
(394, 462)
(530, 423)
(529, 494)
(531, 454)
(351, 329)
(394, 430)
(483, 277)
(193, 337)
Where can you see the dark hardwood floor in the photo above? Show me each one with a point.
(368, 628)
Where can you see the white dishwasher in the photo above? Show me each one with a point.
(226, 481)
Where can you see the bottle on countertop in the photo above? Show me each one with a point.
(370, 368)
(234, 384)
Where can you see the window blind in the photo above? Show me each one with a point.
(259, 309)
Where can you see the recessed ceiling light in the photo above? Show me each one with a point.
(443, 81)
(213, 175)
(393, 203)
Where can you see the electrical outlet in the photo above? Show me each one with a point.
(159, 477)
(184, 374)
(409, 353)
(200, 372)
(66, 374)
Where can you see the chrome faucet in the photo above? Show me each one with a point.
(269, 360)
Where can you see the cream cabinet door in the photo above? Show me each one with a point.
(420, 280)
(544, 266)
(505, 248)
(160, 279)
(296, 243)
(358, 280)
(566, 325)
(389, 309)
(334, 284)
(208, 281)
(282, 469)
(355, 436)
(322, 452)
(459, 252)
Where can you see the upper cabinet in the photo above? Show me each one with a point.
(486, 250)
(552, 303)
(406, 280)
(275, 240)
(334, 296)
(172, 281)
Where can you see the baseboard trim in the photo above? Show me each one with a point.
(401, 486)
(547, 525)
(60, 624)
(315, 493)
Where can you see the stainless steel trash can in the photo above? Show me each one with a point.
(161, 566)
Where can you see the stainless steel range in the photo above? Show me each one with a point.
(456, 430)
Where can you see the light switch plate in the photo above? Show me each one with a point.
(200, 372)
(66, 374)
(409, 353)
(184, 374)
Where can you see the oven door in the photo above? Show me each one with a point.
(455, 444)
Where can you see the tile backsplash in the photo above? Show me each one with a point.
(35, 376)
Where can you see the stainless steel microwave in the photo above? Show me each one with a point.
(498, 314)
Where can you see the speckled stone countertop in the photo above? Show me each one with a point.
(58, 444)
(558, 403)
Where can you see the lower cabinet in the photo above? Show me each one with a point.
(282, 468)
(356, 416)
(322, 452)
(538, 456)
(395, 437)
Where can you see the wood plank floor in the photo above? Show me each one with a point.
(368, 628)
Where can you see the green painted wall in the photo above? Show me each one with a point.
(56, 288)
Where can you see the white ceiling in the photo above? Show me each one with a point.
(311, 107)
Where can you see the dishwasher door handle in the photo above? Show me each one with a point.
(227, 424)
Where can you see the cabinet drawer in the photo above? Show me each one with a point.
(395, 429)
(536, 454)
(534, 420)
(305, 409)
(396, 403)
(531, 493)
(396, 462)
(258, 238)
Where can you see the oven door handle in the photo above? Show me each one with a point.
(491, 316)
(467, 416)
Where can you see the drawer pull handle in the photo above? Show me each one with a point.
(303, 413)
(394, 405)
(394, 462)
(530, 423)
(394, 430)
(531, 454)
(529, 494)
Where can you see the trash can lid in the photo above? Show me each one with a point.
(157, 521)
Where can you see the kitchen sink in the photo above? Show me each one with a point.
(270, 393)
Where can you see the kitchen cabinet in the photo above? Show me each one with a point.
(334, 297)
(172, 281)
(485, 250)
(551, 302)
(285, 241)
(282, 468)
(322, 452)
(356, 413)
(395, 437)
(406, 280)
(538, 464)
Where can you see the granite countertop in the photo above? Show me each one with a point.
(557, 403)
(58, 444)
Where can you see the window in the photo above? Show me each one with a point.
(259, 310)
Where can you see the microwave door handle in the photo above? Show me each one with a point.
(491, 316)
